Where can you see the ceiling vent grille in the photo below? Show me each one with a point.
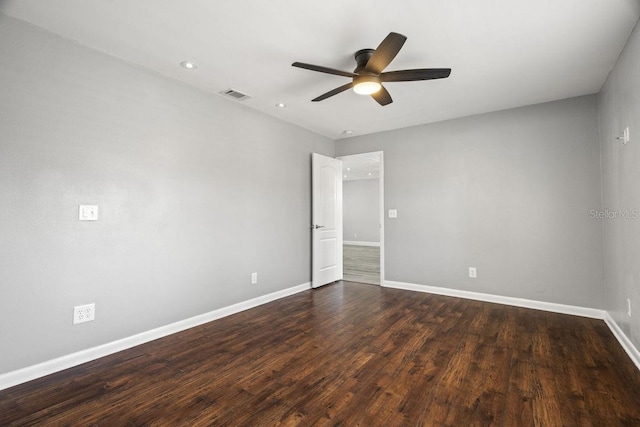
(234, 94)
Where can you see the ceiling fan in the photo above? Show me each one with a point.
(368, 76)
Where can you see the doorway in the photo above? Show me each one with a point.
(363, 217)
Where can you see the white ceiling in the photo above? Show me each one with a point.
(504, 53)
(361, 166)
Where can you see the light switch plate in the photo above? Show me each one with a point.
(393, 213)
(625, 136)
(88, 213)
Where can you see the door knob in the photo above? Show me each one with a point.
(317, 226)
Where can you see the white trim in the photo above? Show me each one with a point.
(594, 313)
(381, 213)
(498, 299)
(623, 339)
(29, 373)
(354, 243)
(357, 178)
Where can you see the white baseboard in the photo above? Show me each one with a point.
(593, 313)
(498, 299)
(29, 373)
(354, 243)
(623, 339)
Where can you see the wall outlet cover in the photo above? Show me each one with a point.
(84, 313)
(473, 273)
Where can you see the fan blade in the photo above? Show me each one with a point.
(322, 69)
(333, 92)
(414, 75)
(382, 97)
(385, 53)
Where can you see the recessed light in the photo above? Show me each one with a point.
(345, 176)
(369, 173)
(347, 132)
(188, 65)
(281, 105)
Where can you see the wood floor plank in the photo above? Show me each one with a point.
(361, 264)
(351, 354)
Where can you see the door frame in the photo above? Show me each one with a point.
(382, 217)
(381, 206)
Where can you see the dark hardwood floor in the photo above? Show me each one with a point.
(350, 354)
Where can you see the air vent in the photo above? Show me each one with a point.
(234, 94)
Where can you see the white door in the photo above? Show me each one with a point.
(326, 178)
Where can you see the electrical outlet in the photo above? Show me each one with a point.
(84, 313)
(629, 307)
(254, 278)
(472, 272)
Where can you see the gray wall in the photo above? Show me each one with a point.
(195, 193)
(509, 193)
(619, 107)
(194, 190)
(361, 210)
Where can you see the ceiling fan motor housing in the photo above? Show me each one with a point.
(362, 57)
(366, 82)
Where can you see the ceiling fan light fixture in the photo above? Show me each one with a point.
(366, 85)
